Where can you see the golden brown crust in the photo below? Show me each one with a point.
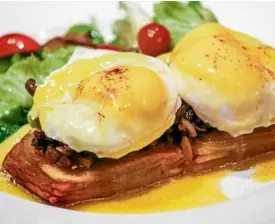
(31, 169)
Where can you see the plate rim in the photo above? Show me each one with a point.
(256, 206)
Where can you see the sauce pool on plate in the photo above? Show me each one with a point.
(264, 172)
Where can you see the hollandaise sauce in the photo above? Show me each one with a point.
(264, 172)
(185, 193)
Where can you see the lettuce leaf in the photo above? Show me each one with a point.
(4, 65)
(15, 100)
(126, 29)
(181, 17)
(6, 62)
(7, 129)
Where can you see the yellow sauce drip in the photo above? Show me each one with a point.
(185, 193)
(264, 172)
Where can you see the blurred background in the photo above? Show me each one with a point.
(44, 19)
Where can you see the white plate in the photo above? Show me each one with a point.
(245, 207)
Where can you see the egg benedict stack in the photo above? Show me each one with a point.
(109, 123)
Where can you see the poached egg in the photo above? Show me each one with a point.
(227, 77)
(105, 102)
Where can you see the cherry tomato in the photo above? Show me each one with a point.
(17, 43)
(108, 47)
(154, 39)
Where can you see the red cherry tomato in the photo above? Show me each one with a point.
(108, 47)
(17, 43)
(154, 39)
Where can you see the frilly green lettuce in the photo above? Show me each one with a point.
(181, 17)
(15, 101)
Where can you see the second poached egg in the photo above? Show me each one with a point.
(227, 77)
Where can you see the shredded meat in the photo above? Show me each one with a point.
(59, 153)
(187, 149)
(187, 114)
(30, 86)
(186, 126)
(64, 162)
(178, 134)
(41, 141)
(52, 154)
(181, 112)
(187, 123)
(190, 114)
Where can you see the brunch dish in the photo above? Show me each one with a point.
(150, 121)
